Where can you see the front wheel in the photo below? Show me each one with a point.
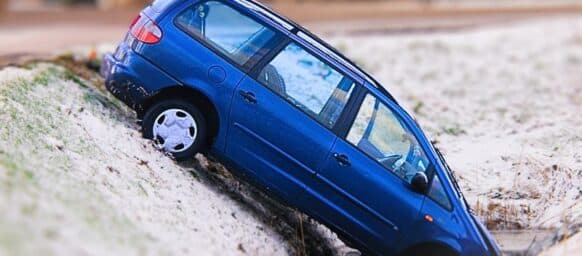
(177, 127)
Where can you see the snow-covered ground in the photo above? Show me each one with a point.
(569, 246)
(76, 178)
(503, 104)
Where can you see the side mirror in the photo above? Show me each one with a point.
(419, 182)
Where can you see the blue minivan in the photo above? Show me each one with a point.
(241, 83)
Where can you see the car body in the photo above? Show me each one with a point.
(292, 115)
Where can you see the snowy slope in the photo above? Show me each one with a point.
(76, 178)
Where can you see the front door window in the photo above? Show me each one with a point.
(382, 135)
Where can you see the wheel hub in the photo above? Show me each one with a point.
(175, 130)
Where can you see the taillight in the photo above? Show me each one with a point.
(135, 20)
(146, 30)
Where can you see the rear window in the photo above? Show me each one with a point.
(225, 30)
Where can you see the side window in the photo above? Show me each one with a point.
(437, 193)
(308, 83)
(225, 29)
(379, 133)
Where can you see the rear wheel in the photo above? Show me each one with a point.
(177, 127)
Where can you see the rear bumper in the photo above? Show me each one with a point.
(122, 80)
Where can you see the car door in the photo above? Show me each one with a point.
(367, 175)
(211, 46)
(282, 118)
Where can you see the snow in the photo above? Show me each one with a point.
(568, 246)
(503, 103)
(76, 178)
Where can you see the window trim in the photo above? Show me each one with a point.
(258, 7)
(348, 117)
(248, 66)
(270, 56)
(358, 106)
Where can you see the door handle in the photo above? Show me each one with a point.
(248, 97)
(342, 159)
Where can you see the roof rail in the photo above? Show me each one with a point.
(352, 66)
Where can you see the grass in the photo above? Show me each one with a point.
(454, 130)
(36, 109)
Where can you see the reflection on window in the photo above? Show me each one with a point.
(438, 194)
(308, 83)
(379, 133)
(225, 29)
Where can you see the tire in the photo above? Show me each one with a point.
(177, 127)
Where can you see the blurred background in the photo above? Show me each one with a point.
(25, 23)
